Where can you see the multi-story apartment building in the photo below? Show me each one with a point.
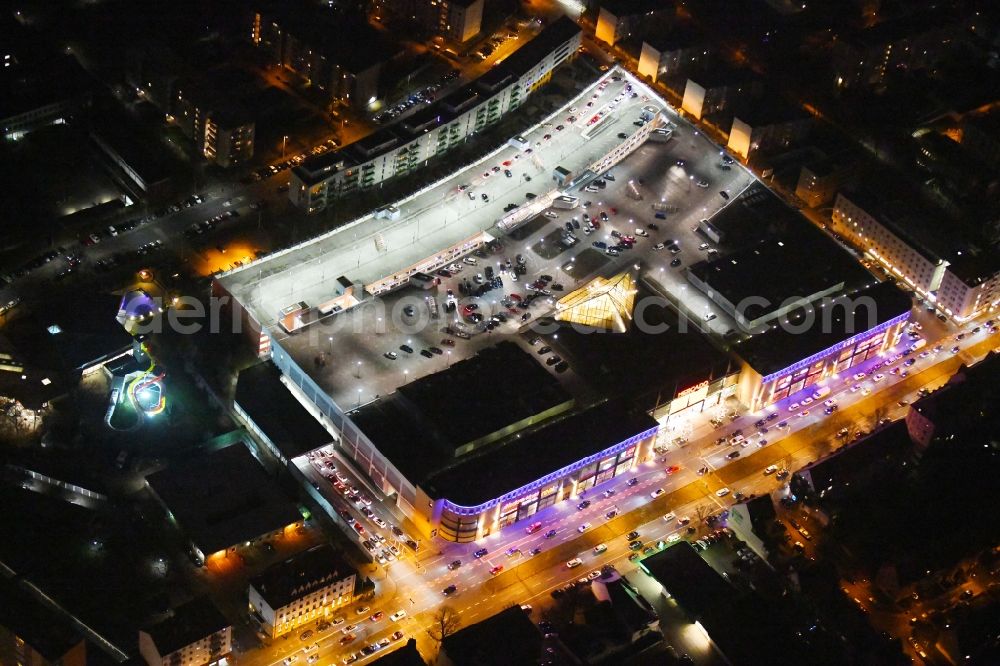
(620, 19)
(865, 57)
(196, 634)
(223, 132)
(674, 52)
(820, 179)
(970, 286)
(338, 61)
(767, 125)
(961, 277)
(229, 138)
(949, 411)
(300, 590)
(433, 131)
(457, 20)
(888, 237)
(717, 89)
(33, 634)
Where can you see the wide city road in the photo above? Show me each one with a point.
(416, 584)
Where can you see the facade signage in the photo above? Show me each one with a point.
(691, 389)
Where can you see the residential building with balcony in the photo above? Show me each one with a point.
(335, 60)
(431, 132)
(229, 137)
(918, 41)
(222, 130)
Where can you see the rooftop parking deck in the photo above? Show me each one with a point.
(350, 354)
(442, 216)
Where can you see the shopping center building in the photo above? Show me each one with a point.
(661, 363)
(488, 433)
(492, 438)
(532, 445)
(484, 441)
(822, 342)
(782, 265)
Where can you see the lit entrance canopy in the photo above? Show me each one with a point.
(601, 303)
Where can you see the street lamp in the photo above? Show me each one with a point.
(357, 373)
(331, 345)
(284, 140)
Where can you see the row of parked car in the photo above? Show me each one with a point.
(199, 228)
(425, 95)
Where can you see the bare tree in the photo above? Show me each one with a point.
(879, 413)
(444, 623)
(702, 512)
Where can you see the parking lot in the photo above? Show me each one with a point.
(361, 354)
(374, 526)
(370, 249)
(656, 195)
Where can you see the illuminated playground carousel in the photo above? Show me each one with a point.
(136, 381)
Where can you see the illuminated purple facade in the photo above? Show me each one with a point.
(758, 391)
(468, 523)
